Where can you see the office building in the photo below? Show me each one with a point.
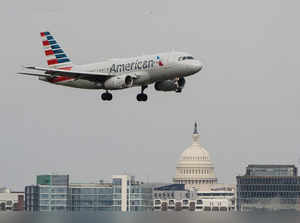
(56, 193)
(90, 197)
(130, 195)
(268, 187)
(49, 194)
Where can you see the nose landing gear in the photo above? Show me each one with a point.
(142, 96)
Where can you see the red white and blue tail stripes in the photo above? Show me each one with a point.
(56, 57)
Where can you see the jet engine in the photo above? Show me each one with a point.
(118, 82)
(170, 85)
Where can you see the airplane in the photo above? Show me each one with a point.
(167, 71)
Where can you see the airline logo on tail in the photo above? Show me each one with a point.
(56, 57)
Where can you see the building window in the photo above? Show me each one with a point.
(117, 181)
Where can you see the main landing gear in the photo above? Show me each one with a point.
(142, 96)
(106, 96)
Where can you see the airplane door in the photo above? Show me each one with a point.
(167, 61)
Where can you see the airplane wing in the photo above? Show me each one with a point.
(50, 72)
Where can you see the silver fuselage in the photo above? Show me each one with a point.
(146, 70)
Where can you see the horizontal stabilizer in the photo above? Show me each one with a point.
(72, 73)
(36, 75)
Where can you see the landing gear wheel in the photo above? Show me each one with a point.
(109, 96)
(138, 97)
(142, 97)
(106, 96)
(178, 90)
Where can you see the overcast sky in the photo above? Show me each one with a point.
(246, 99)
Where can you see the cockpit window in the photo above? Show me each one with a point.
(185, 58)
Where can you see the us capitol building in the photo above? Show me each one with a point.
(195, 186)
(194, 168)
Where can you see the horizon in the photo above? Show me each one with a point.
(246, 98)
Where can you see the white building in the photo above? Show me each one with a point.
(11, 200)
(194, 168)
(175, 197)
(130, 195)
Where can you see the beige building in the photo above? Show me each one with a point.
(194, 168)
(11, 201)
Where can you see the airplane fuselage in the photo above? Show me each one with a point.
(144, 70)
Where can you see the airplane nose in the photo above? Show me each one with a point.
(197, 65)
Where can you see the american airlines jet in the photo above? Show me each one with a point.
(167, 71)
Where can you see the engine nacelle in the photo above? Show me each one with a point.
(167, 85)
(118, 82)
(170, 85)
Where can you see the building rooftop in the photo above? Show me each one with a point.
(90, 184)
(271, 166)
(271, 170)
(173, 187)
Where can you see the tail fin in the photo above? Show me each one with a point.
(56, 57)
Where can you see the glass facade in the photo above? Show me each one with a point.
(56, 194)
(279, 186)
(44, 180)
(91, 198)
(271, 170)
(53, 198)
(31, 198)
(58, 180)
(130, 195)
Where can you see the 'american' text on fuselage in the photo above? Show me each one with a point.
(137, 65)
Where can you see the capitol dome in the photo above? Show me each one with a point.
(194, 168)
